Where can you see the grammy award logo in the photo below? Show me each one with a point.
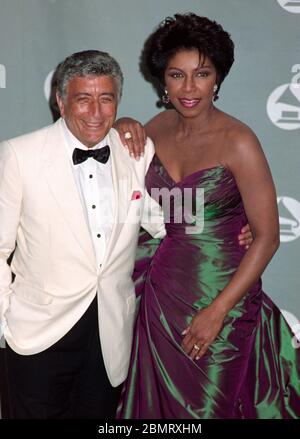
(47, 85)
(292, 6)
(2, 76)
(283, 105)
(289, 218)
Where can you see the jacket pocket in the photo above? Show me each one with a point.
(31, 294)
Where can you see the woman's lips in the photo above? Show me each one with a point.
(189, 103)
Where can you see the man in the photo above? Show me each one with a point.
(71, 199)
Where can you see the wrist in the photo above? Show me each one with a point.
(220, 307)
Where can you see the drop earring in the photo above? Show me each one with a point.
(215, 94)
(165, 98)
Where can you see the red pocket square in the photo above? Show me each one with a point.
(136, 195)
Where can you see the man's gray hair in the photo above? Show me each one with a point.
(88, 63)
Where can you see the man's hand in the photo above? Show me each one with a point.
(245, 237)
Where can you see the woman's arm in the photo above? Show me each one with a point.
(251, 171)
(255, 183)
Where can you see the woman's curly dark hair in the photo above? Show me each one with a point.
(187, 31)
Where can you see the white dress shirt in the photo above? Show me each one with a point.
(95, 187)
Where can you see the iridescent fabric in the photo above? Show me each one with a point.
(251, 370)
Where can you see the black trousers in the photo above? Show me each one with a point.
(3, 387)
(68, 380)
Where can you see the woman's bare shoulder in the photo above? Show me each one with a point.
(237, 133)
(159, 123)
(241, 144)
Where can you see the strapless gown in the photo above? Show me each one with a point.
(252, 369)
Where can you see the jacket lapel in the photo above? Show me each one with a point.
(60, 179)
(121, 177)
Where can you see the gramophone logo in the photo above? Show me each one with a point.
(283, 105)
(292, 6)
(47, 85)
(289, 218)
(2, 76)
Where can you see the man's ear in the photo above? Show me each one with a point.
(60, 105)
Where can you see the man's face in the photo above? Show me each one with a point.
(89, 107)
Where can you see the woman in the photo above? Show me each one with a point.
(208, 342)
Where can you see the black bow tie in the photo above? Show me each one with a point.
(81, 155)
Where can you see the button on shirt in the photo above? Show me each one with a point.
(95, 187)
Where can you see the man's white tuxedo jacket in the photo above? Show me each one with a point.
(54, 262)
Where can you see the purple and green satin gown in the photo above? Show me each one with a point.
(252, 369)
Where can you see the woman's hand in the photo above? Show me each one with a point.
(133, 136)
(245, 237)
(202, 331)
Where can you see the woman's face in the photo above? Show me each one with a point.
(190, 81)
